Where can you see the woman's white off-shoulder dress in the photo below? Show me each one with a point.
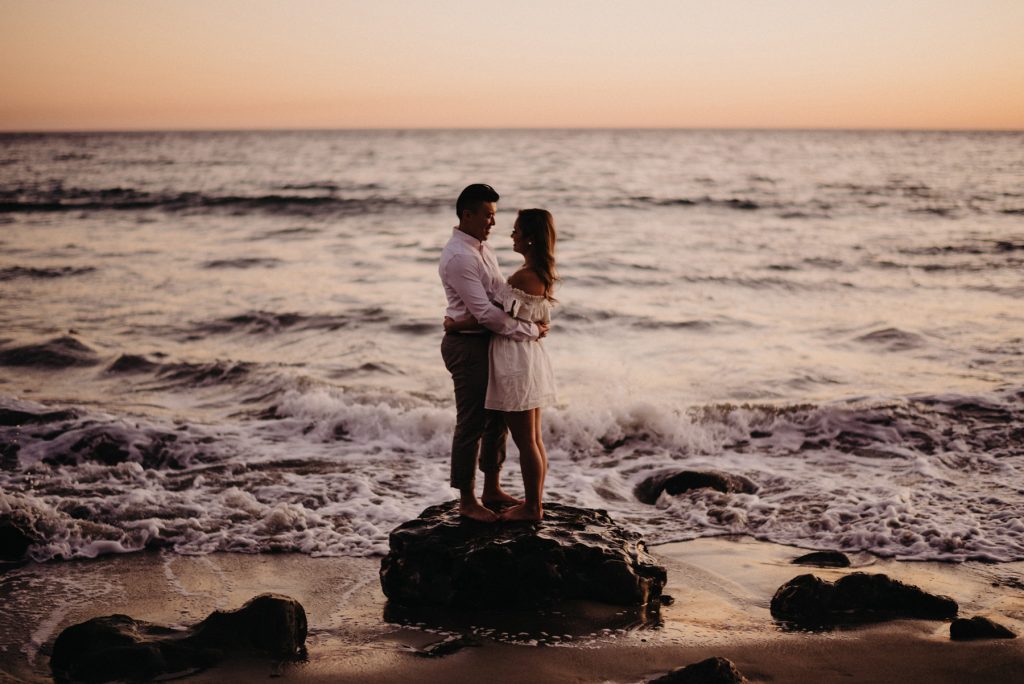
(520, 372)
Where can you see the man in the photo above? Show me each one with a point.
(468, 268)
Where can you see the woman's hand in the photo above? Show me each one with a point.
(461, 324)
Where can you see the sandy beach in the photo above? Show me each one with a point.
(721, 586)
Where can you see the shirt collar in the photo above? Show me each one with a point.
(467, 238)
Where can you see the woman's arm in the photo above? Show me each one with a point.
(464, 275)
(529, 282)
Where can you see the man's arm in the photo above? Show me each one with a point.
(464, 274)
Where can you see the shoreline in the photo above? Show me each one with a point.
(722, 587)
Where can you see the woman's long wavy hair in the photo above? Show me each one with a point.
(538, 229)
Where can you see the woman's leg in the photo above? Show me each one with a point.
(538, 438)
(531, 462)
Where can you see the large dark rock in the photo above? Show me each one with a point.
(14, 539)
(711, 671)
(978, 627)
(117, 647)
(823, 559)
(441, 559)
(677, 482)
(809, 601)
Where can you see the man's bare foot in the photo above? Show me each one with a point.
(523, 512)
(474, 510)
(499, 497)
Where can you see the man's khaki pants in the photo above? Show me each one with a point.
(479, 433)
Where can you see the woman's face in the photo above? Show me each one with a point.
(518, 241)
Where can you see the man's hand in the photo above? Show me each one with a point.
(543, 328)
(467, 323)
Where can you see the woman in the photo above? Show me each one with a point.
(521, 381)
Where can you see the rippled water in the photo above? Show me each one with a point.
(231, 340)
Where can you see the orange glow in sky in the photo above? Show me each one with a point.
(152, 64)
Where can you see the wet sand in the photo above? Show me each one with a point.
(722, 588)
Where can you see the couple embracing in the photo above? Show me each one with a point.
(492, 348)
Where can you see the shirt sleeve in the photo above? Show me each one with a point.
(464, 275)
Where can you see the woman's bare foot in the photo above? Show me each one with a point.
(525, 511)
(474, 510)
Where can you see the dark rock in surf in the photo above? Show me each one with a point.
(978, 627)
(823, 559)
(808, 601)
(117, 647)
(711, 671)
(14, 540)
(679, 481)
(269, 623)
(441, 559)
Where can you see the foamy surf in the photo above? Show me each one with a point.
(331, 473)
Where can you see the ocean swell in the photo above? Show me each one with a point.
(60, 199)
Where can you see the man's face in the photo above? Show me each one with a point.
(478, 223)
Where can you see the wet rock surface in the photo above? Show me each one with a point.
(711, 671)
(118, 647)
(676, 482)
(809, 601)
(441, 559)
(978, 627)
(824, 559)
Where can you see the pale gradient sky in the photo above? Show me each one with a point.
(154, 64)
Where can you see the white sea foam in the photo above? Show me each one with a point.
(334, 472)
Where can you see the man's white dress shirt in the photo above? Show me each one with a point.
(469, 272)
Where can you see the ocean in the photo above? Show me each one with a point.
(229, 341)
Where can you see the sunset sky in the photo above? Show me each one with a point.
(183, 64)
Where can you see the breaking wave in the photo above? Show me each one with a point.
(327, 472)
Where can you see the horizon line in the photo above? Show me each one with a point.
(321, 129)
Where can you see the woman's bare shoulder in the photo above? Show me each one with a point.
(526, 280)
